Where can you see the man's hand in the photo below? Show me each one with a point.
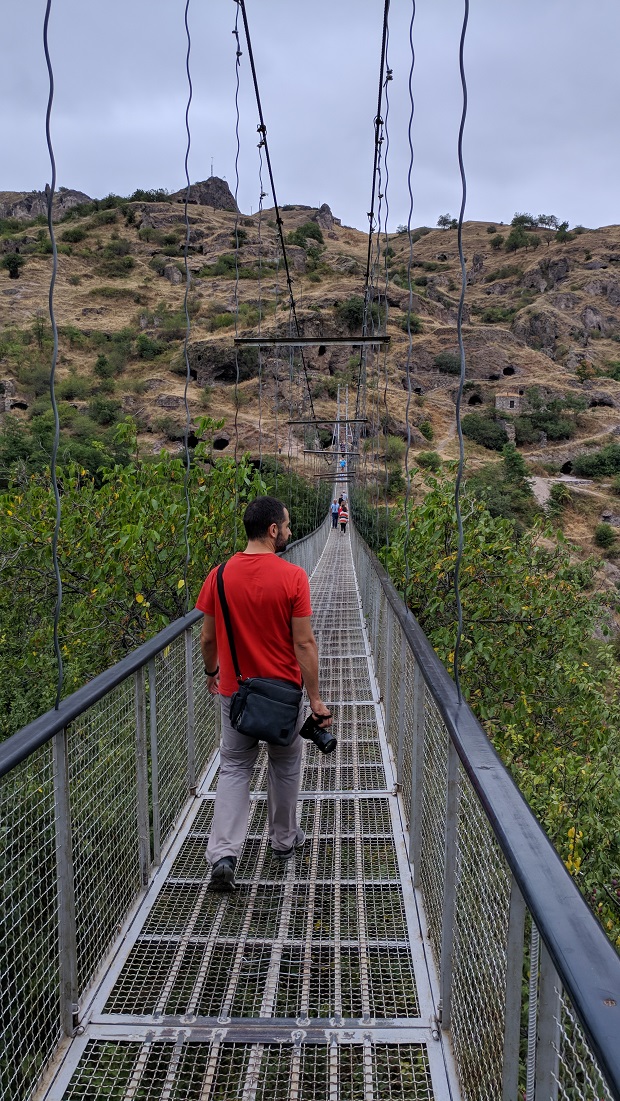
(213, 684)
(321, 713)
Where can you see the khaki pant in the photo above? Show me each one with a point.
(238, 755)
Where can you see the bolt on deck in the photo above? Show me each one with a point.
(312, 980)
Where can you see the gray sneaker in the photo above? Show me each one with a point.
(223, 875)
(285, 854)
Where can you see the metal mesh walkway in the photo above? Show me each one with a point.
(311, 980)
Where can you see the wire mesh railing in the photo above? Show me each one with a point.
(89, 797)
(87, 800)
(487, 873)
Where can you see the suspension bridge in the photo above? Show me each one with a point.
(426, 942)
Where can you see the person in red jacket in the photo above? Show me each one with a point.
(270, 610)
(343, 517)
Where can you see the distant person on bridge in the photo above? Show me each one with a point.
(343, 517)
(334, 507)
(270, 611)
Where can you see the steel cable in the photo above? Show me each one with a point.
(187, 317)
(409, 308)
(262, 130)
(388, 78)
(237, 373)
(49, 194)
(459, 330)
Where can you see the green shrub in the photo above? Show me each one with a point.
(13, 262)
(73, 235)
(116, 267)
(393, 449)
(599, 464)
(505, 272)
(73, 388)
(491, 229)
(493, 315)
(147, 348)
(351, 312)
(497, 242)
(485, 431)
(308, 229)
(429, 460)
(448, 362)
(559, 497)
(615, 484)
(104, 410)
(412, 323)
(427, 430)
(604, 536)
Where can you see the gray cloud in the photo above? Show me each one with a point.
(540, 135)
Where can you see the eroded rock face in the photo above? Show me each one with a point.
(539, 330)
(547, 275)
(213, 192)
(26, 205)
(593, 320)
(325, 219)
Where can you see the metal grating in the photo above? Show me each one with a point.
(327, 942)
(218, 1071)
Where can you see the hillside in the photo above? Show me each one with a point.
(546, 315)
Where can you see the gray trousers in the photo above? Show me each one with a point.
(238, 755)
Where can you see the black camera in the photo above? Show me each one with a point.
(321, 736)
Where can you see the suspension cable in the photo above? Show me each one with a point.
(262, 130)
(237, 372)
(388, 78)
(459, 330)
(371, 213)
(187, 317)
(49, 194)
(409, 306)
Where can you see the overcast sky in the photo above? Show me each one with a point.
(541, 134)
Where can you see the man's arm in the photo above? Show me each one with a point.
(208, 649)
(307, 654)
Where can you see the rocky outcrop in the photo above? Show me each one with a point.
(593, 320)
(27, 205)
(547, 274)
(540, 330)
(325, 219)
(213, 192)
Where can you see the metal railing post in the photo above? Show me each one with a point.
(189, 689)
(514, 975)
(449, 889)
(387, 695)
(417, 774)
(142, 778)
(154, 762)
(67, 947)
(548, 1031)
(401, 710)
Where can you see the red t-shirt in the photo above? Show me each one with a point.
(264, 592)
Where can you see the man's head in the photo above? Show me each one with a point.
(267, 518)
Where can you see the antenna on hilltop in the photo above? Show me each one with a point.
(211, 166)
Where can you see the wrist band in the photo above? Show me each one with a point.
(214, 673)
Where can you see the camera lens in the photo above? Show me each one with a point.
(323, 738)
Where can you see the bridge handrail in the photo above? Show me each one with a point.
(585, 960)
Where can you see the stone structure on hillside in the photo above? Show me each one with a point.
(508, 402)
(27, 205)
(325, 219)
(213, 192)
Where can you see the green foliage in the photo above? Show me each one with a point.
(559, 497)
(598, 464)
(446, 221)
(147, 348)
(300, 235)
(76, 387)
(429, 460)
(524, 221)
(73, 235)
(497, 242)
(497, 314)
(449, 363)
(412, 323)
(351, 312)
(427, 430)
(516, 239)
(505, 272)
(547, 697)
(504, 488)
(104, 410)
(154, 195)
(604, 536)
(12, 262)
(484, 430)
(393, 449)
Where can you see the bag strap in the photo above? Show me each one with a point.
(226, 614)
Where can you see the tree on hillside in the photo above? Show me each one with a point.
(524, 221)
(446, 221)
(547, 221)
(13, 261)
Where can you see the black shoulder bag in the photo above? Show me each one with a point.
(261, 708)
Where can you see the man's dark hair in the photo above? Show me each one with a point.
(260, 515)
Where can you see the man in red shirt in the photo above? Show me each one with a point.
(270, 610)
